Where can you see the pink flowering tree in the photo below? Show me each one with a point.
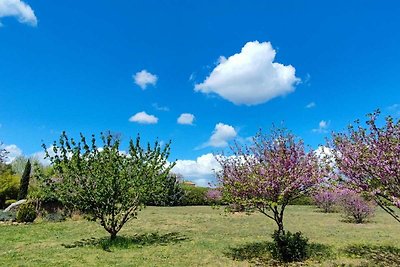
(271, 173)
(368, 159)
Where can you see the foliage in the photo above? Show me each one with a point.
(9, 186)
(23, 188)
(18, 165)
(104, 183)
(356, 209)
(368, 160)
(8, 216)
(3, 153)
(26, 212)
(270, 174)
(326, 200)
(214, 196)
(288, 247)
(168, 193)
(194, 196)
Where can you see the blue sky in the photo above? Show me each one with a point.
(231, 67)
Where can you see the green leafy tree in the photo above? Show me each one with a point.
(24, 184)
(169, 192)
(104, 183)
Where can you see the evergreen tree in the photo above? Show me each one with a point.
(23, 188)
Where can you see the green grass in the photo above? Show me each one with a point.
(199, 236)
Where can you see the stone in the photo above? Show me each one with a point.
(15, 206)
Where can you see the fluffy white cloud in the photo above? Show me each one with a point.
(144, 118)
(201, 171)
(250, 77)
(311, 105)
(144, 78)
(221, 135)
(322, 127)
(186, 118)
(13, 152)
(19, 9)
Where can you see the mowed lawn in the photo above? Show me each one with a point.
(199, 236)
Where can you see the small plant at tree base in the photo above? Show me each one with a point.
(288, 247)
(326, 200)
(356, 209)
(23, 187)
(26, 212)
(101, 182)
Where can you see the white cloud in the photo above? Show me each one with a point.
(221, 135)
(186, 118)
(201, 171)
(13, 152)
(322, 127)
(19, 9)
(143, 118)
(311, 105)
(250, 77)
(144, 78)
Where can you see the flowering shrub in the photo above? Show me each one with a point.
(326, 200)
(214, 196)
(356, 209)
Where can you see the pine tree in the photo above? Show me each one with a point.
(23, 188)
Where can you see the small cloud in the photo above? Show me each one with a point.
(192, 76)
(186, 118)
(311, 105)
(222, 134)
(322, 127)
(250, 77)
(143, 118)
(18, 9)
(159, 108)
(144, 78)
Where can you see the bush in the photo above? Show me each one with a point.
(326, 200)
(303, 200)
(8, 216)
(355, 208)
(194, 196)
(9, 187)
(214, 196)
(288, 247)
(26, 212)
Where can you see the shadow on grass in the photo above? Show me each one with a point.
(124, 242)
(376, 255)
(259, 253)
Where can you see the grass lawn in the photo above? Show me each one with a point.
(199, 236)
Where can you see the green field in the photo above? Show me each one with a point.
(199, 236)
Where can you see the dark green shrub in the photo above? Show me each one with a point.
(288, 247)
(303, 200)
(26, 212)
(8, 216)
(194, 196)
